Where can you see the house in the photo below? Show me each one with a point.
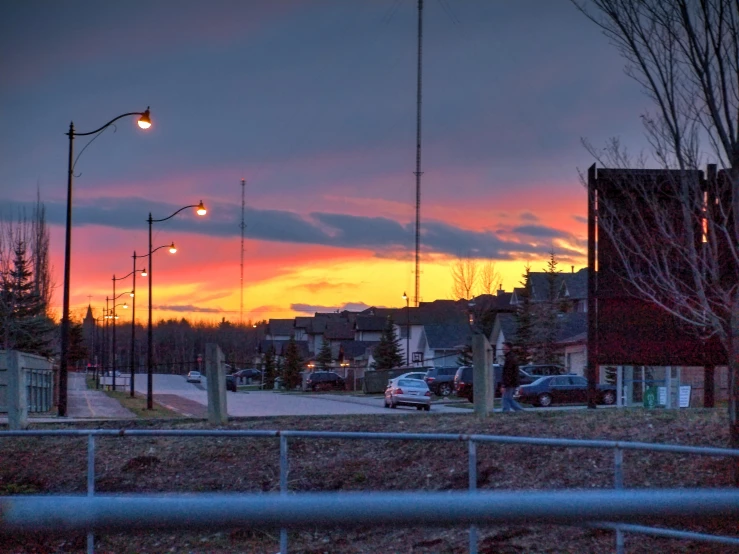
(571, 339)
(368, 327)
(279, 329)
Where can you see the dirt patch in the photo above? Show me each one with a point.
(193, 464)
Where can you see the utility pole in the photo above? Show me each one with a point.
(418, 171)
(243, 226)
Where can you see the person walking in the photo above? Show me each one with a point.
(510, 379)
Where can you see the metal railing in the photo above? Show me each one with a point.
(40, 387)
(618, 510)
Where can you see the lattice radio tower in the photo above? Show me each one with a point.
(243, 227)
(418, 171)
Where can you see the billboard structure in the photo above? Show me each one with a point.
(624, 327)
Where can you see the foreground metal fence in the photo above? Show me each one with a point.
(618, 510)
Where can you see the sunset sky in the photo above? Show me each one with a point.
(314, 103)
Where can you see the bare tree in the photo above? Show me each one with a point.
(685, 54)
(465, 272)
(490, 279)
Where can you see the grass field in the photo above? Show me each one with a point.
(152, 464)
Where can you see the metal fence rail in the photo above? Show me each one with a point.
(28, 514)
(618, 510)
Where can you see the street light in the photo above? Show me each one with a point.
(115, 316)
(133, 311)
(200, 210)
(133, 318)
(407, 329)
(144, 123)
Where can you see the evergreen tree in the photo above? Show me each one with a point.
(387, 352)
(77, 348)
(547, 320)
(25, 325)
(269, 368)
(524, 341)
(324, 356)
(293, 363)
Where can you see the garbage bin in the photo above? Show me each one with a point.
(278, 383)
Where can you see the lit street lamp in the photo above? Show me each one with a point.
(115, 316)
(200, 210)
(144, 122)
(407, 329)
(133, 318)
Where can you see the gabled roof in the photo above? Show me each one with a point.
(281, 327)
(339, 330)
(369, 323)
(303, 322)
(448, 335)
(495, 302)
(352, 349)
(505, 323)
(575, 285)
(572, 324)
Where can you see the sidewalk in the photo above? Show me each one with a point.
(83, 404)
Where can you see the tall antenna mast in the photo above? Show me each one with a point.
(418, 172)
(243, 226)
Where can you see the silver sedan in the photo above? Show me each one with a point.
(408, 392)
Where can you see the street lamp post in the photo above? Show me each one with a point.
(150, 341)
(133, 321)
(115, 346)
(407, 330)
(144, 123)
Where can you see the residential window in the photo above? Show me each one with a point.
(403, 331)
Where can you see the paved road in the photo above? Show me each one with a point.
(267, 403)
(85, 403)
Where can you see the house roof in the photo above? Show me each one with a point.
(352, 349)
(575, 285)
(281, 345)
(572, 324)
(370, 323)
(507, 324)
(280, 327)
(448, 335)
(495, 302)
(339, 330)
(303, 322)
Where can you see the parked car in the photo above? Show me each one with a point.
(543, 370)
(419, 375)
(408, 392)
(231, 383)
(562, 389)
(193, 377)
(463, 382)
(248, 375)
(321, 380)
(441, 380)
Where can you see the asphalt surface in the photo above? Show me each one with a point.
(267, 403)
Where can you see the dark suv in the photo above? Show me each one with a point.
(463, 382)
(319, 380)
(441, 380)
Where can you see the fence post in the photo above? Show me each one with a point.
(90, 485)
(618, 483)
(284, 468)
(17, 392)
(472, 449)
